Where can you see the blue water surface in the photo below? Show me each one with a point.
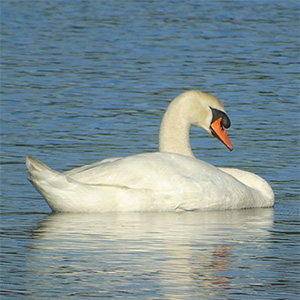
(85, 80)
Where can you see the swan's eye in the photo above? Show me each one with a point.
(225, 121)
(220, 114)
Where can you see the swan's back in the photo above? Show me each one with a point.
(159, 171)
(197, 184)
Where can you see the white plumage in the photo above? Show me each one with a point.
(172, 179)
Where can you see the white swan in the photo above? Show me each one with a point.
(172, 179)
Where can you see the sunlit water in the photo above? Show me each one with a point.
(86, 80)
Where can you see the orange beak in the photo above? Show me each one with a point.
(220, 132)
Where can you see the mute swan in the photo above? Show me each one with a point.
(172, 179)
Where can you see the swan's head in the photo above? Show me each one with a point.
(209, 113)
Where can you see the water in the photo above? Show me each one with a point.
(86, 80)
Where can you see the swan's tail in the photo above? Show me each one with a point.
(38, 172)
(48, 182)
(64, 194)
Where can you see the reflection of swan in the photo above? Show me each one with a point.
(158, 181)
(187, 254)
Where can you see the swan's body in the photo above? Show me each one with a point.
(172, 179)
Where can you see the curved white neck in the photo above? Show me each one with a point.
(190, 108)
(175, 127)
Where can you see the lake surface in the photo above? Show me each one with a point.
(85, 80)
